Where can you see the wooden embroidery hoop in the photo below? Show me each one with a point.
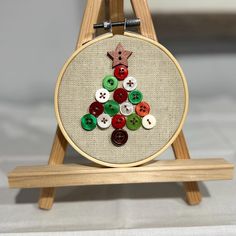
(57, 174)
(60, 120)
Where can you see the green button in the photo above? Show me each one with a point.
(135, 97)
(110, 83)
(88, 122)
(133, 122)
(111, 107)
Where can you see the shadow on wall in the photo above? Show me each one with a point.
(196, 33)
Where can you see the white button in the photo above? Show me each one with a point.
(130, 83)
(102, 95)
(104, 121)
(148, 121)
(126, 108)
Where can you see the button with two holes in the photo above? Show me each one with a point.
(135, 97)
(111, 107)
(126, 108)
(133, 122)
(88, 122)
(120, 95)
(121, 72)
(118, 121)
(96, 109)
(110, 83)
(148, 121)
(119, 137)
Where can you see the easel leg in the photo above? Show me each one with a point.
(91, 14)
(56, 157)
(179, 146)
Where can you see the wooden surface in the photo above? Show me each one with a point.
(142, 12)
(116, 13)
(91, 14)
(179, 146)
(158, 171)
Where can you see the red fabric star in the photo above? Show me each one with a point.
(119, 56)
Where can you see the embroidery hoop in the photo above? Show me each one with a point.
(86, 154)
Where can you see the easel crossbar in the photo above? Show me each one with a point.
(158, 171)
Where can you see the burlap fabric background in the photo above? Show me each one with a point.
(158, 79)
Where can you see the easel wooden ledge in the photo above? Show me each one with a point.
(57, 174)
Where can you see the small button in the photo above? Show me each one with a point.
(135, 97)
(126, 108)
(118, 121)
(111, 107)
(102, 95)
(104, 121)
(133, 122)
(121, 72)
(130, 83)
(120, 95)
(96, 109)
(88, 122)
(142, 109)
(148, 121)
(119, 137)
(110, 82)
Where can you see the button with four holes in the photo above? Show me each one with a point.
(130, 83)
(120, 95)
(148, 121)
(135, 97)
(133, 122)
(121, 72)
(96, 109)
(126, 108)
(118, 121)
(111, 107)
(110, 82)
(102, 95)
(88, 122)
(142, 109)
(104, 121)
(119, 137)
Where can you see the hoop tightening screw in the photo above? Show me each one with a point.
(108, 25)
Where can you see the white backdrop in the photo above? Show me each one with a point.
(36, 37)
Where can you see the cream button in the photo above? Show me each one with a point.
(148, 121)
(104, 121)
(130, 83)
(102, 95)
(126, 108)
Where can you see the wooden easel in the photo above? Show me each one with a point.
(57, 174)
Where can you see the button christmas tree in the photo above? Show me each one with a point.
(125, 109)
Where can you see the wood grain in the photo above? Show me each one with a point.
(91, 14)
(157, 171)
(142, 12)
(56, 157)
(116, 13)
(179, 146)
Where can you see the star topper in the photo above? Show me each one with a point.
(119, 56)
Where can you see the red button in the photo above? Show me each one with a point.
(142, 109)
(96, 109)
(118, 121)
(121, 72)
(120, 95)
